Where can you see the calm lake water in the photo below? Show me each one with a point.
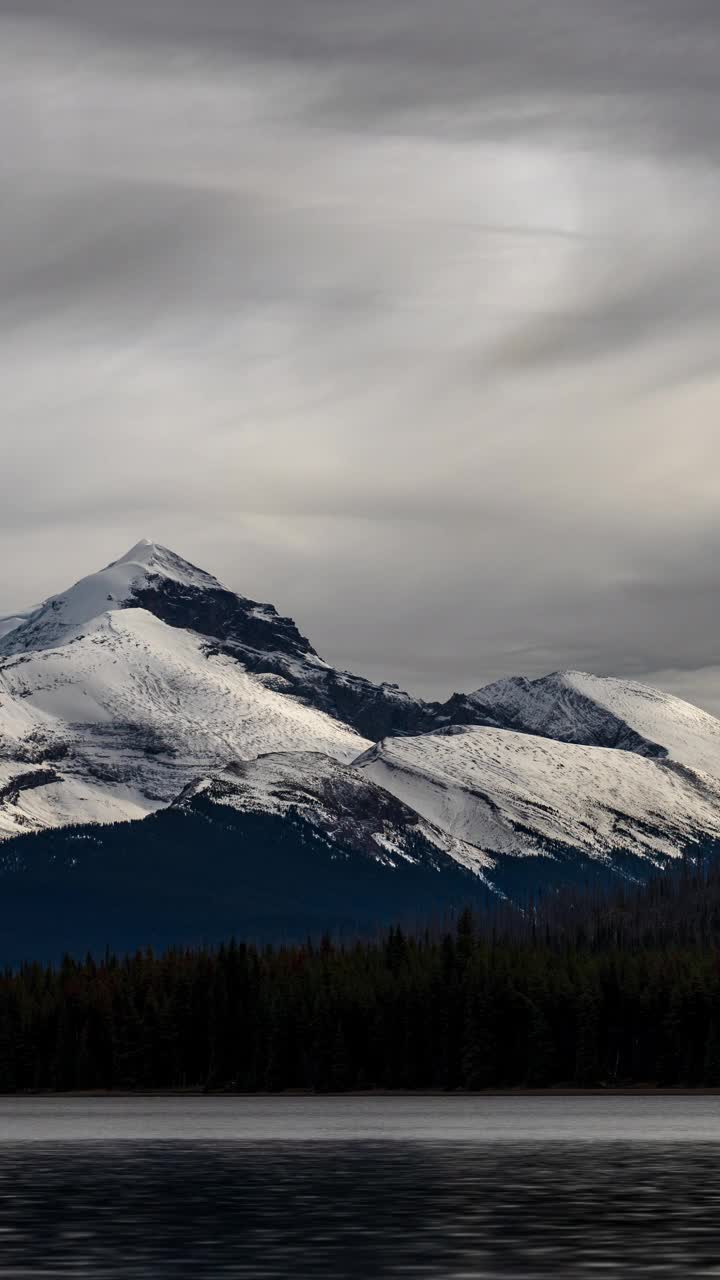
(288, 1188)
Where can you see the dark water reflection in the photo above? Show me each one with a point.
(133, 1209)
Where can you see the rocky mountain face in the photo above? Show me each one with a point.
(272, 647)
(550, 707)
(149, 688)
(343, 804)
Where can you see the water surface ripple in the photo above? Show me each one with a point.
(358, 1206)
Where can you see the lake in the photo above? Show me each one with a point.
(452, 1187)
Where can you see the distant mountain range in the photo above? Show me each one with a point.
(252, 786)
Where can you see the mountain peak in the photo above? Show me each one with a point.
(603, 711)
(141, 553)
(153, 578)
(155, 560)
(119, 585)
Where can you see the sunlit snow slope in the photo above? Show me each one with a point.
(572, 706)
(107, 712)
(512, 793)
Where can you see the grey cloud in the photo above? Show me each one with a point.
(399, 314)
(663, 297)
(104, 245)
(567, 40)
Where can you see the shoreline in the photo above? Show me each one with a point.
(556, 1091)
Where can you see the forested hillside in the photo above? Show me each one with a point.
(621, 990)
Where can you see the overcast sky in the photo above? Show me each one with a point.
(401, 314)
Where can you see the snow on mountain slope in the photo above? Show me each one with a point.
(33, 798)
(120, 692)
(572, 706)
(151, 577)
(14, 620)
(510, 793)
(343, 803)
(138, 708)
(688, 734)
(59, 617)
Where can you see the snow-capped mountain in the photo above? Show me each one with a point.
(153, 578)
(107, 710)
(574, 762)
(572, 706)
(149, 688)
(59, 619)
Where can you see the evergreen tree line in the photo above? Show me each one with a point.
(610, 991)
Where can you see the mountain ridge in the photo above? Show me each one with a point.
(516, 794)
(150, 687)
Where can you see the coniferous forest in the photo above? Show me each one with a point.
(616, 990)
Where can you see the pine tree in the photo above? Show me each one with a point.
(540, 1050)
(479, 1052)
(587, 1051)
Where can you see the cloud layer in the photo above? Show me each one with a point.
(402, 314)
